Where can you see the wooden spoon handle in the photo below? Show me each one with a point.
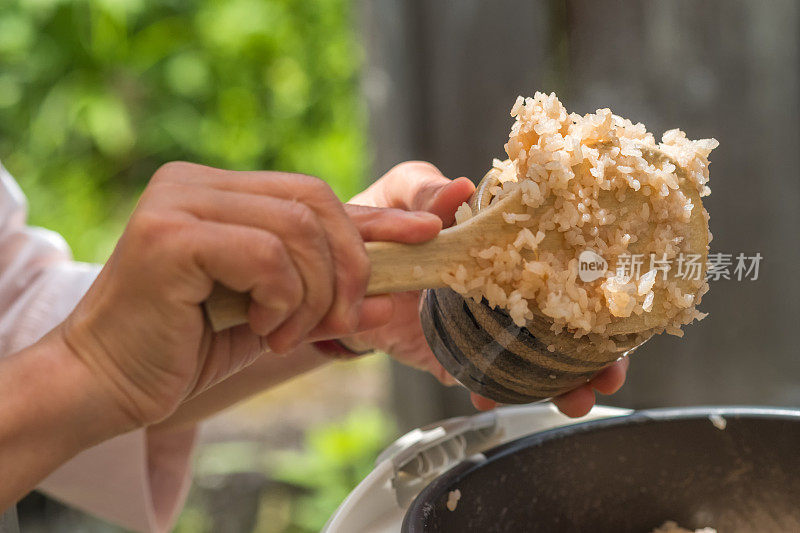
(406, 267)
(399, 267)
(395, 268)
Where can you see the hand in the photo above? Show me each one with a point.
(580, 401)
(284, 238)
(420, 186)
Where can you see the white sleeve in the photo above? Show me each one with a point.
(138, 480)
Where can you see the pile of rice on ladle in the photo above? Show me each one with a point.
(595, 182)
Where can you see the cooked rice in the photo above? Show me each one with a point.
(565, 166)
(718, 420)
(452, 499)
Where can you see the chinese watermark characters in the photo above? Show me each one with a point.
(718, 265)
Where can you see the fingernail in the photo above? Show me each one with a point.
(278, 307)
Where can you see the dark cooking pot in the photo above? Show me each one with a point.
(629, 474)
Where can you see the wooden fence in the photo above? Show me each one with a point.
(442, 74)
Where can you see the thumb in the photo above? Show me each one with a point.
(444, 198)
(416, 185)
(421, 186)
(390, 224)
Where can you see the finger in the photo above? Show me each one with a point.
(577, 402)
(404, 187)
(611, 379)
(416, 185)
(351, 265)
(481, 403)
(445, 201)
(381, 224)
(422, 357)
(439, 372)
(250, 260)
(303, 235)
(396, 225)
(376, 311)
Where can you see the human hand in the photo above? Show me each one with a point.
(413, 185)
(417, 185)
(580, 401)
(283, 238)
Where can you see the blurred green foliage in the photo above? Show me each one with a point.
(336, 457)
(96, 94)
(305, 486)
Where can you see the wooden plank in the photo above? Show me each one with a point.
(447, 72)
(726, 69)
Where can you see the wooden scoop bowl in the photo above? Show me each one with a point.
(481, 346)
(488, 353)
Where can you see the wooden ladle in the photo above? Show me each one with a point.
(399, 267)
(487, 352)
(481, 346)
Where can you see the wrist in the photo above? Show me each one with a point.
(51, 410)
(87, 403)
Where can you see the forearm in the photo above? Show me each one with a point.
(268, 370)
(51, 408)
